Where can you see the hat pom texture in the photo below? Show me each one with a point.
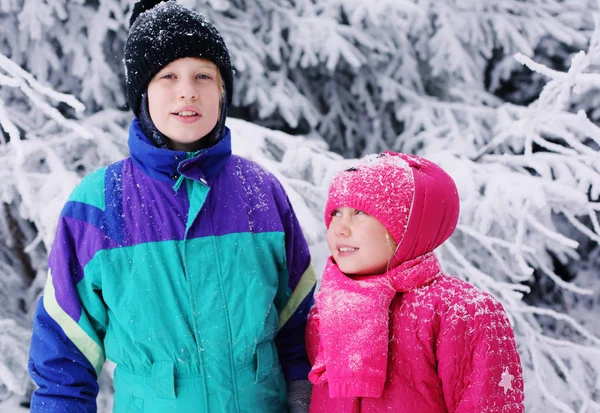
(164, 31)
(142, 6)
(415, 200)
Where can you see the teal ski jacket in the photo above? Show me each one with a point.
(190, 272)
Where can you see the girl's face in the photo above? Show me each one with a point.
(184, 101)
(359, 243)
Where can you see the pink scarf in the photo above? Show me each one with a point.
(354, 325)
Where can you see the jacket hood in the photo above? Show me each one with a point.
(416, 200)
(434, 210)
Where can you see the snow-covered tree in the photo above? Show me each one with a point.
(364, 75)
(417, 76)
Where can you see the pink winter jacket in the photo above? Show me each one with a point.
(451, 349)
(412, 340)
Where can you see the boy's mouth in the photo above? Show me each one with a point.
(186, 113)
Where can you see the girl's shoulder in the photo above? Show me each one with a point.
(455, 297)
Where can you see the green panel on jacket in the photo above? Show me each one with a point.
(197, 193)
(194, 348)
(91, 190)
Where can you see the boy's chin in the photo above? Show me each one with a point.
(184, 143)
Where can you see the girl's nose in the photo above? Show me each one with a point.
(341, 229)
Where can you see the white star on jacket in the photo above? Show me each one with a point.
(506, 380)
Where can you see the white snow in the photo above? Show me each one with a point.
(423, 64)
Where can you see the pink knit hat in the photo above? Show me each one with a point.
(414, 199)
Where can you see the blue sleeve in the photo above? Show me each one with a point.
(291, 345)
(298, 288)
(66, 379)
(67, 351)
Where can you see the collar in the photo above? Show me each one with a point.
(414, 273)
(405, 277)
(167, 165)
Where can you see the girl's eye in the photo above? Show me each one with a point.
(335, 213)
(359, 212)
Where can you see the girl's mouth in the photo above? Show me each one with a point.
(347, 249)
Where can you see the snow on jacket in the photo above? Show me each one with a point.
(412, 339)
(450, 349)
(199, 294)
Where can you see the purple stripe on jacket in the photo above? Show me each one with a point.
(151, 210)
(140, 210)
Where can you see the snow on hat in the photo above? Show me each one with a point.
(162, 31)
(414, 199)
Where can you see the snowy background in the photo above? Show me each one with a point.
(504, 94)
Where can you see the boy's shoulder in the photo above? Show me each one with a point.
(246, 168)
(90, 189)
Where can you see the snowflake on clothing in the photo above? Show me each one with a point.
(506, 380)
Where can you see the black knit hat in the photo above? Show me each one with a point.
(163, 31)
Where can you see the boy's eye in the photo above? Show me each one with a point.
(168, 76)
(203, 77)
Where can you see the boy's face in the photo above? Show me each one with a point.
(184, 101)
(359, 243)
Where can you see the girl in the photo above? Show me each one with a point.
(390, 332)
(183, 264)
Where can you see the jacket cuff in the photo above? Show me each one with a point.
(356, 387)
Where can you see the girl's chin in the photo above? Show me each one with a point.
(357, 270)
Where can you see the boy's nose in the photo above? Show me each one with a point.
(188, 91)
(189, 94)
